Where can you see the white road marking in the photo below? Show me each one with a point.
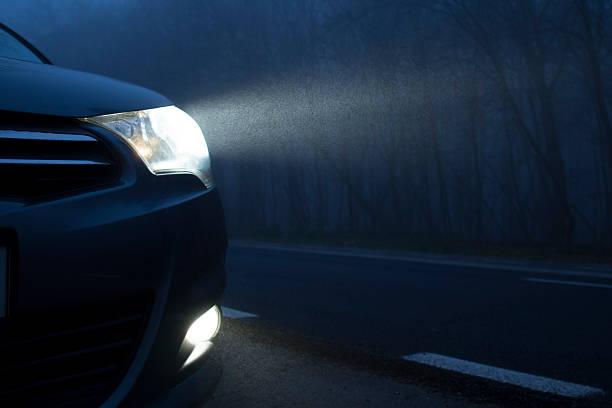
(235, 314)
(572, 283)
(532, 382)
(368, 254)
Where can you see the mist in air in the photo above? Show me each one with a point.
(436, 123)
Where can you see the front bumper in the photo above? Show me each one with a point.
(160, 238)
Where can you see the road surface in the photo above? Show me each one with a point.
(543, 326)
(260, 374)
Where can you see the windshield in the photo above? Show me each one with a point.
(13, 47)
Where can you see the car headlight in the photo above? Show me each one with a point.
(167, 139)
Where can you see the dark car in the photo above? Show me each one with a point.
(112, 241)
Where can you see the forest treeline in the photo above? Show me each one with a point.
(437, 120)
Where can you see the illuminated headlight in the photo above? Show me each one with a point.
(205, 327)
(167, 139)
(201, 332)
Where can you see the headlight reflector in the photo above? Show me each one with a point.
(167, 139)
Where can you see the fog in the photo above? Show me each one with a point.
(442, 122)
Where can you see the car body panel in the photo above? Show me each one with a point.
(45, 89)
(162, 236)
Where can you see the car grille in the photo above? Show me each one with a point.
(38, 161)
(69, 358)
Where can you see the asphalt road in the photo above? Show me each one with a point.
(261, 373)
(551, 321)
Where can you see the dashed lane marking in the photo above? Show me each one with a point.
(235, 314)
(532, 382)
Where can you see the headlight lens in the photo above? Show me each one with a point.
(167, 139)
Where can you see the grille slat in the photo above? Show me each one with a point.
(36, 164)
(67, 357)
(52, 162)
(53, 381)
(8, 135)
(127, 319)
(77, 353)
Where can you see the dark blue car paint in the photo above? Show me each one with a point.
(45, 89)
(160, 234)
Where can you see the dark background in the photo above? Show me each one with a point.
(435, 124)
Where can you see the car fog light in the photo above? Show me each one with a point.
(205, 327)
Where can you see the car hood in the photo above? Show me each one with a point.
(29, 87)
